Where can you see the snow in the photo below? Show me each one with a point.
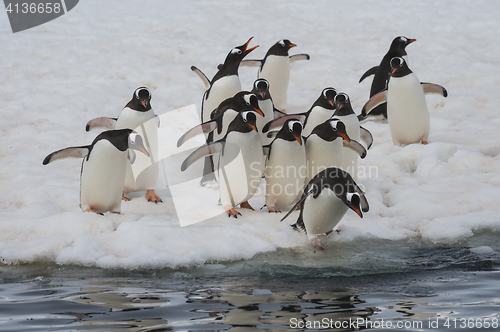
(87, 64)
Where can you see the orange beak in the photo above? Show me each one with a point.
(292, 45)
(258, 111)
(253, 127)
(331, 102)
(345, 137)
(298, 139)
(357, 211)
(249, 49)
(411, 41)
(144, 103)
(144, 151)
(261, 94)
(394, 70)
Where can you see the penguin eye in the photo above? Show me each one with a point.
(236, 51)
(333, 124)
(244, 116)
(132, 137)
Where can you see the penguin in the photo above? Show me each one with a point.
(383, 70)
(275, 68)
(407, 111)
(324, 147)
(138, 115)
(345, 113)
(325, 201)
(286, 168)
(321, 110)
(261, 90)
(226, 82)
(239, 163)
(103, 169)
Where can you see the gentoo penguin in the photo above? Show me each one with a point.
(138, 115)
(320, 111)
(286, 168)
(324, 147)
(346, 114)
(103, 168)
(407, 112)
(239, 166)
(275, 68)
(325, 201)
(226, 82)
(261, 90)
(383, 70)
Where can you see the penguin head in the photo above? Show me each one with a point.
(399, 44)
(142, 99)
(250, 101)
(338, 128)
(399, 67)
(353, 201)
(244, 122)
(343, 104)
(239, 52)
(281, 48)
(135, 142)
(261, 89)
(291, 131)
(328, 96)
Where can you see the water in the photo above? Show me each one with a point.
(369, 284)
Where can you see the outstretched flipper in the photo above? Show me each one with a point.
(72, 152)
(434, 88)
(280, 121)
(368, 73)
(355, 146)
(374, 101)
(278, 114)
(203, 128)
(366, 137)
(251, 63)
(205, 150)
(202, 76)
(103, 122)
(298, 57)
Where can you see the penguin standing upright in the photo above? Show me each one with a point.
(407, 111)
(103, 168)
(346, 114)
(138, 115)
(325, 201)
(324, 147)
(275, 68)
(383, 70)
(240, 165)
(286, 168)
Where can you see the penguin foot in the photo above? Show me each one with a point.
(232, 212)
(425, 142)
(246, 205)
(271, 209)
(317, 243)
(299, 207)
(152, 197)
(126, 199)
(90, 210)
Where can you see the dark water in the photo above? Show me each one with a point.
(371, 284)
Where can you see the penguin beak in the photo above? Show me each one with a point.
(261, 94)
(393, 71)
(292, 45)
(360, 214)
(247, 50)
(298, 139)
(411, 41)
(331, 102)
(144, 103)
(345, 137)
(144, 151)
(258, 111)
(253, 127)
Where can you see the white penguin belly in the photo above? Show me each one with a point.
(351, 157)
(317, 116)
(321, 154)
(239, 178)
(286, 173)
(223, 88)
(323, 213)
(276, 71)
(144, 173)
(407, 112)
(102, 178)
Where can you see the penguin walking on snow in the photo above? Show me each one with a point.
(324, 147)
(138, 115)
(103, 168)
(286, 168)
(325, 201)
(407, 111)
(239, 163)
(382, 72)
(275, 68)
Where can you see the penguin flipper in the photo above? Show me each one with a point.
(280, 121)
(355, 146)
(374, 101)
(266, 149)
(251, 63)
(434, 88)
(297, 57)
(312, 190)
(368, 73)
(272, 134)
(202, 76)
(278, 114)
(366, 137)
(71, 152)
(102, 122)
(205, 150)
(205, 128)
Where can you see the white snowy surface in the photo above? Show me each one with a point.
(57, 76)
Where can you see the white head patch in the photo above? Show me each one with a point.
(282, 43)
(292, 123)
(247, 98)
(133, 137)
(333, 123)
(244, 115)
(235, 51)
(349, 197)
(138, 90)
